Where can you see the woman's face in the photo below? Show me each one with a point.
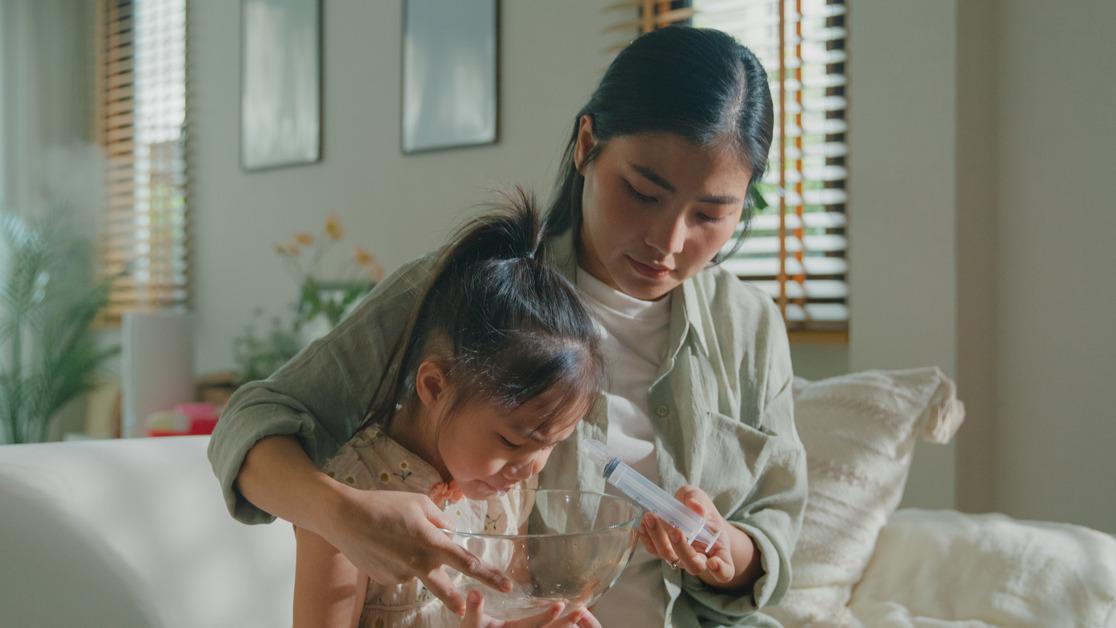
(656, 208)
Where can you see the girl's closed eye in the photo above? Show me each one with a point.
(507, 443)
(704, 217)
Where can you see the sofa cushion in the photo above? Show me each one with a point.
(859, 431)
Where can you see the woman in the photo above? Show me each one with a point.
(652, 188)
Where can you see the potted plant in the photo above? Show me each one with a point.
(49, 354)
(328, 288)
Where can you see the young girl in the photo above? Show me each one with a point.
(497, 365)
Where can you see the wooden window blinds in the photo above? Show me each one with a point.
(142, 125)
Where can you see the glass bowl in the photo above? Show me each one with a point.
(559, 546)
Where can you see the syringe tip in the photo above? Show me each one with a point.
(596, 451)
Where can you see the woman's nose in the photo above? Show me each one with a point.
(667, 235)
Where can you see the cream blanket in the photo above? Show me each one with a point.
(945, 568)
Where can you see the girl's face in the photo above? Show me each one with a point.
(483, 447)
(487, 449)
(656, 208)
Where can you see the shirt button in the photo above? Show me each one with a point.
(662, 411)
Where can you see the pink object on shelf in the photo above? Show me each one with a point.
(202, 417)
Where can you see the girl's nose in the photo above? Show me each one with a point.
(523, 469)
(517, 472)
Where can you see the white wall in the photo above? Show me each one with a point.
(552, 54)
(902, 206)
(1056, 300)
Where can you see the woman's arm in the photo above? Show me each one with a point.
(279, 478)
(329, 589)
(320, 398)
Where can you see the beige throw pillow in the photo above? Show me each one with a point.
(859, 431)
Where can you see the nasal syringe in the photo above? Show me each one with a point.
(650, 496)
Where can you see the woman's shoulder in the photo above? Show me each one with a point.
(729, 298)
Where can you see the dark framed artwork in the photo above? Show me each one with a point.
(450, 67)
(280, 83)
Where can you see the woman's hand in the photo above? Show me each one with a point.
(550, 618)
(715, 566)
(394, 536)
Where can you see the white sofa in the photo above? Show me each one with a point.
(134, 533)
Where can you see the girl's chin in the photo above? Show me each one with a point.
(476, 489)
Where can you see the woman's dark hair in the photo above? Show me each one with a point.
(505, 324)
(698, 83)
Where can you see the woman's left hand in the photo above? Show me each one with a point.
(714, 566)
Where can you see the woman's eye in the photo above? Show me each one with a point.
(707, 218)
(643, 198)
(507, 443)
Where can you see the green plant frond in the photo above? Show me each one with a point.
(47, 308)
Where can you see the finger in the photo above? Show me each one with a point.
(722, 571)
(579, 618)
(464, 561)
(474, 610)
(689, 558)
(588, 621)
(658, 534)
(645, 538)
(649, 538)
(435, 515)
(691, 497)
(544, 619)
(441, 586)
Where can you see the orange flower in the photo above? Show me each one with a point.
(376, 271)
(367, 260)
(333, 228)
(363, 257)
(445, 492)
(303, 238)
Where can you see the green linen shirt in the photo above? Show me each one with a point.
(721, 408)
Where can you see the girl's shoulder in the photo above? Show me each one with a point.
(372, 460)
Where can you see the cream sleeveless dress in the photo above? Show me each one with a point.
(372, 460)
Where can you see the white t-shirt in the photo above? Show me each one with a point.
(634, 337)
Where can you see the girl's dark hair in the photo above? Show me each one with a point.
(505, 324)
(698, 83)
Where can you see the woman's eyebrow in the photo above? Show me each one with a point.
(658, 180)
(653, 177)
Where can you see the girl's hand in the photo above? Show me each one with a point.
(550, 618)
(394, 536)
(715, 567)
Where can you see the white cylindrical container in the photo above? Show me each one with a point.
(157, 360)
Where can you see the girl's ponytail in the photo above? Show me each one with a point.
(507, 325)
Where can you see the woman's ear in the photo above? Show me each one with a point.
(585, 142)
(431, 384)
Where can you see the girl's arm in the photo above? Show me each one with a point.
(329, 589)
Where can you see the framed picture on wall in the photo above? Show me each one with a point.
(280, 83)
(450, 68)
